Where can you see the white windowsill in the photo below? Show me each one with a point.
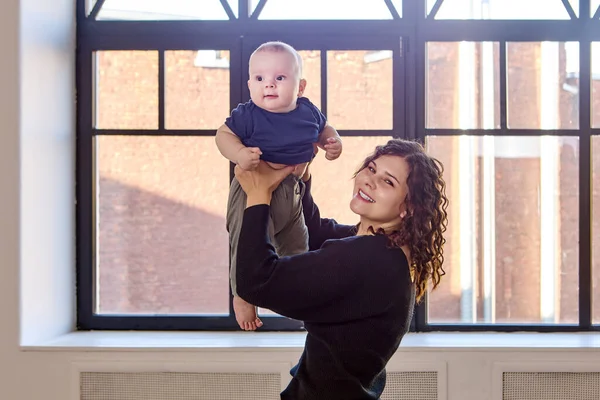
(291, 341)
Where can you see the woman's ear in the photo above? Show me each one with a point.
(404, 211)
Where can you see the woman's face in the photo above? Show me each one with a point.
(380, 191)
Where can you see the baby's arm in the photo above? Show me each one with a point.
(232, 148)
(330, 141)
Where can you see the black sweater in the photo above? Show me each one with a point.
(353, 293)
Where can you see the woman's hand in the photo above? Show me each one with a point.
(260, 183)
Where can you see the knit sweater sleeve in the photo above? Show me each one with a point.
(306, 286)
(321, 229)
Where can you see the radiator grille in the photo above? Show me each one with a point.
(179, 386)
(551, 385)
(411, 385)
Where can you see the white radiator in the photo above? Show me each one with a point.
(118, 381)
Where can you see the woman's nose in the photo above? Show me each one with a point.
(370, 183)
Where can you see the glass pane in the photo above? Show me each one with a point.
(512, 254)
(596, 85)
(398, 6)
(542, 85)
(463, 85)
(430, 4)
(233, 4)
(594, 4)
(575, 6)
(359, 89)
(595, 230)
(158, 10)
(127, 89)
(501, 9)
(325, 9)
(252, 6)
(89, 6)
(194, 96)
(162, 245)
(311, 71)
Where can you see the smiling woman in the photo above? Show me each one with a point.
(355, 288)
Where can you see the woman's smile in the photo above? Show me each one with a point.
(365, 196)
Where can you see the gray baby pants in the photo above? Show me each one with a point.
(287, 229)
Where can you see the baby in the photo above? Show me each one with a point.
(281, 127)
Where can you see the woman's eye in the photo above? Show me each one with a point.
(371, 169)
(389, 182)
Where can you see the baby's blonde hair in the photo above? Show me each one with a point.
(277, 46)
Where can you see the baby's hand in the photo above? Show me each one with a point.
(248, 158)
(333, 148)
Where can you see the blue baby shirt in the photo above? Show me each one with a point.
(283, 138)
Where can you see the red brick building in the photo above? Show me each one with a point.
(162, 239)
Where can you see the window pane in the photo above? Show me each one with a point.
(463, 85)
(359, 89)
(542, 85)
(595, 230)
(596, 85)
(155, 10)
(575, 6)
(127, 89)
(89, 5)
(325, 9)
(194, 95)
(398, 6)
(500, 9)
(233, 4)
(429, 5)
(512, 252)
(594, 4)
(162, 245)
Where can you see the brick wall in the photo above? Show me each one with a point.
(163, 245)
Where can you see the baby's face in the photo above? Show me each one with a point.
(274, 81)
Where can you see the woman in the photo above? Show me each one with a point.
(356, 286)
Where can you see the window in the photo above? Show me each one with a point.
(502, 9)
(504, 93)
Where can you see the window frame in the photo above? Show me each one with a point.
(236, 36)
(411, 33)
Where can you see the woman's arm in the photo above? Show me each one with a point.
(321, 285)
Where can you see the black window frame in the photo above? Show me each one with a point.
(407, 36)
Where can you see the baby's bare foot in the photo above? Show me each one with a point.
(245, 314)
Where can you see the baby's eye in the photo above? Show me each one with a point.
(280, 77)
(259, 78)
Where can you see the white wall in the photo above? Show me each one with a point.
(36, 182)
(36, 234)
(9, 190)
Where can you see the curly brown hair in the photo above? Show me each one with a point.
(424, 225)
